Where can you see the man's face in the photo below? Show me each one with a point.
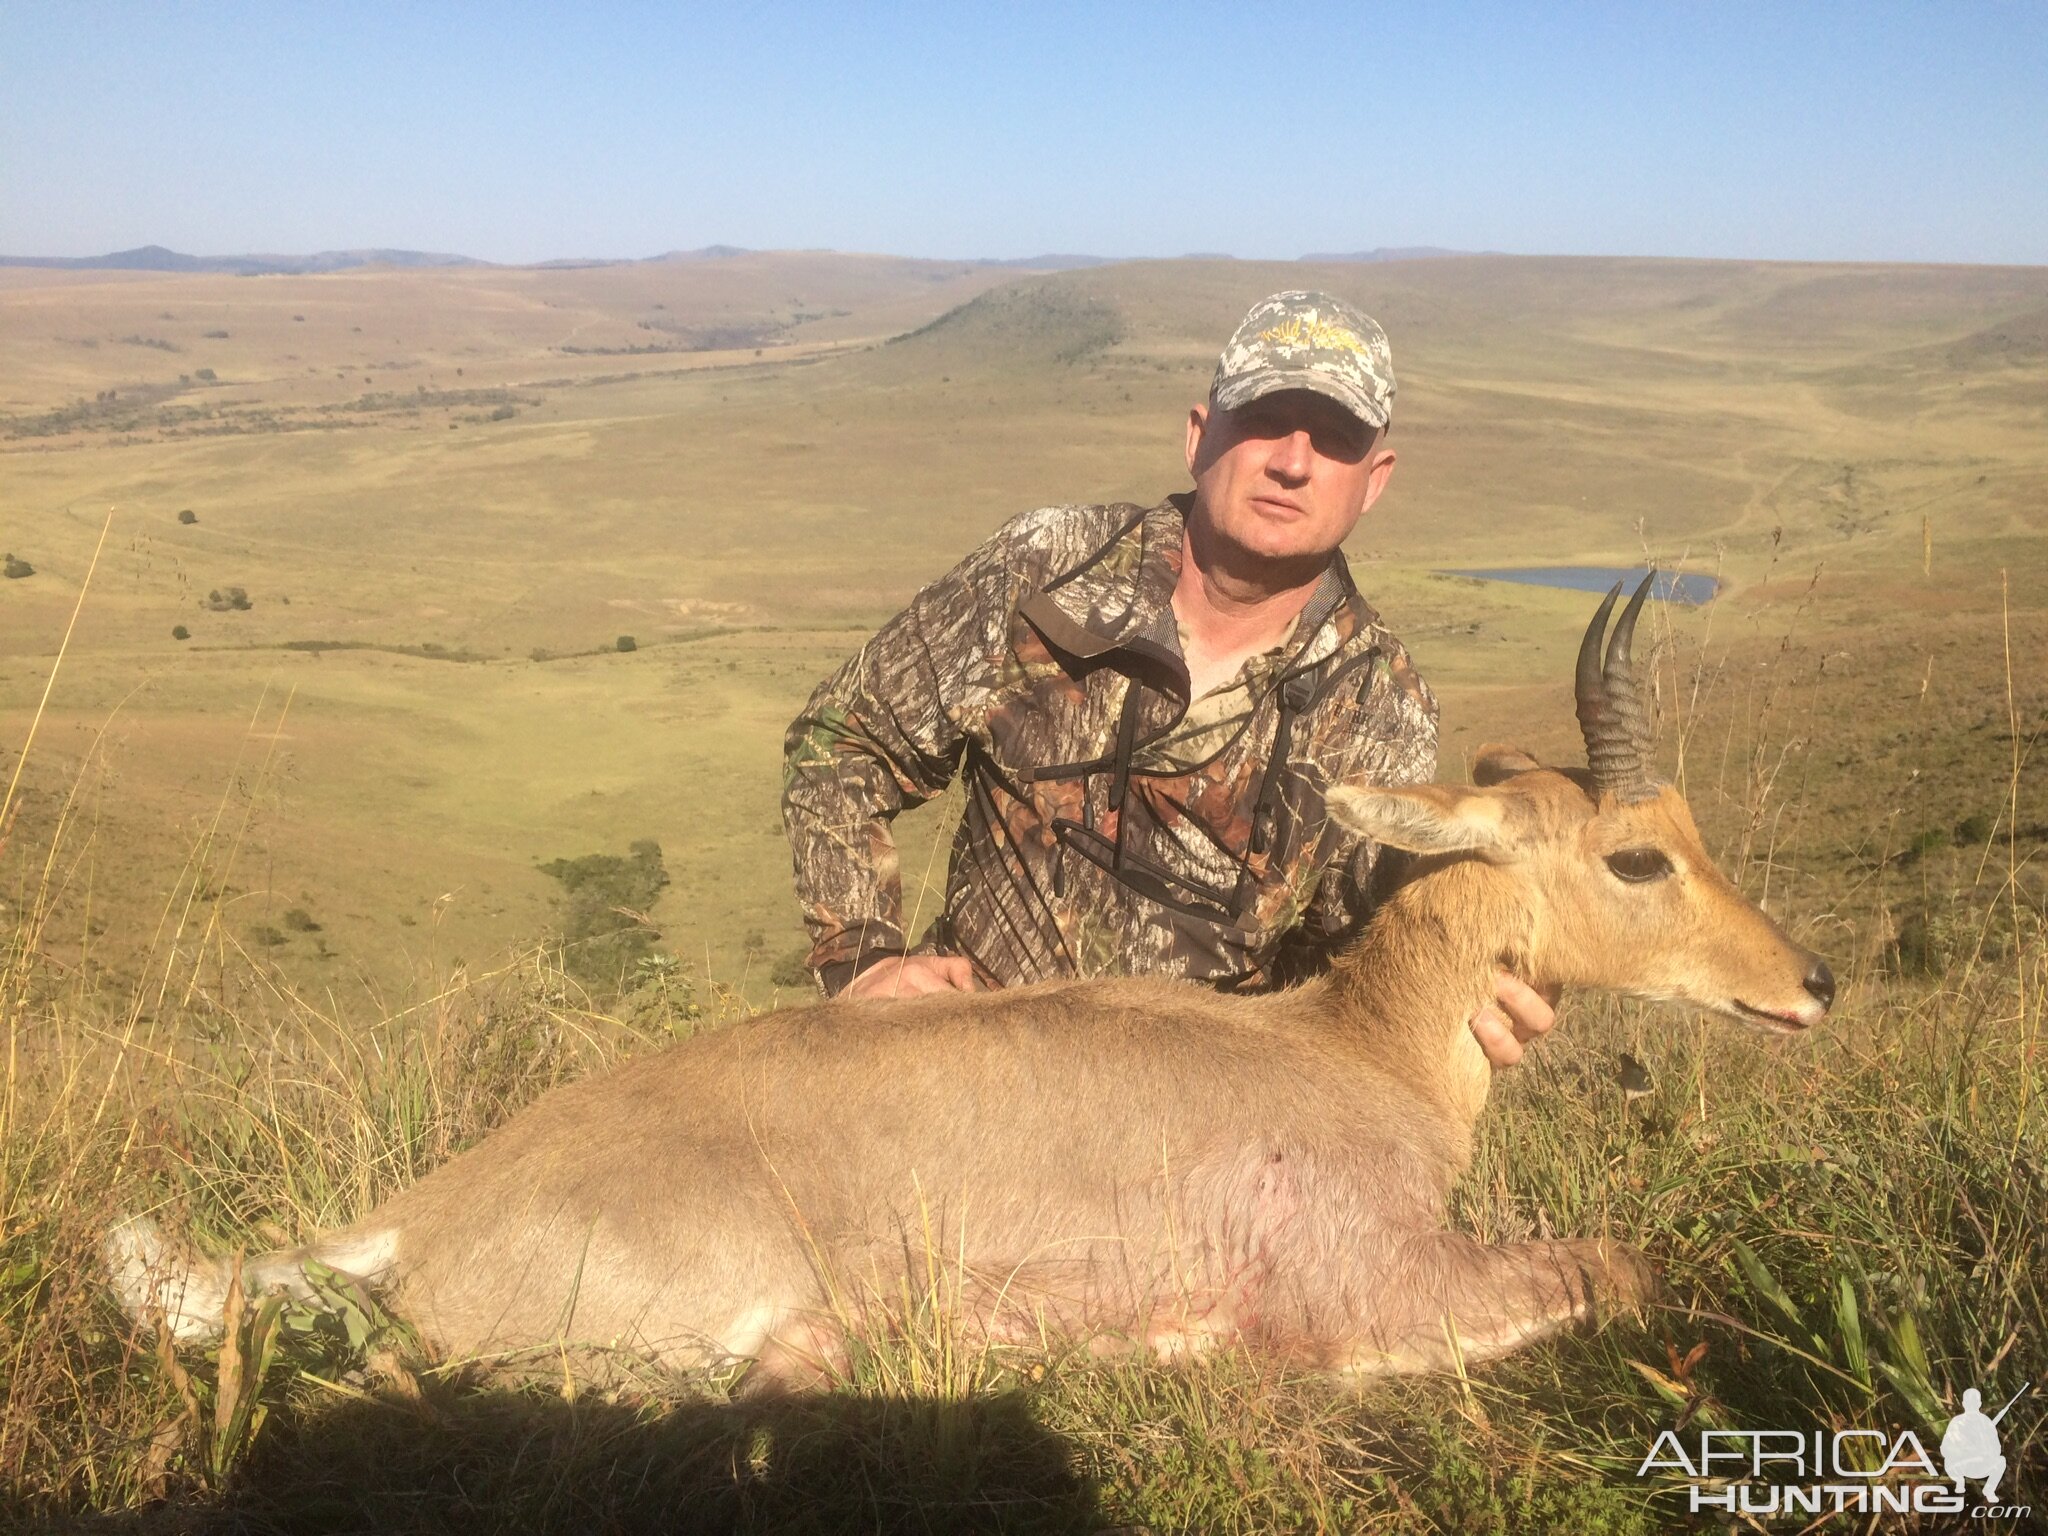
(1287, 477)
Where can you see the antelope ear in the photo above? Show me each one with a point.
(1423, 818)
(1496, 764)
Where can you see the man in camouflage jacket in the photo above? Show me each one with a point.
(1147, 706)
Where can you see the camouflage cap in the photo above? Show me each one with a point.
(1301, 340)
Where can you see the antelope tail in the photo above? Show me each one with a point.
(159, 1278)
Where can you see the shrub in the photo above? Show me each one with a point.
(626, 643)
(604, 932)
(299, 920)
(229, 599)
(793, 969)
(267, 936)
(1974, 828)
(180, 632)
(15, 569)
(1928, 841)
(188, 517)
(1914, 949)
(504, 413)
(205, 375)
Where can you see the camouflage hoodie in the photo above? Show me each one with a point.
(1109, 828)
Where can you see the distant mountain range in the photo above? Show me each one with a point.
(1387, 253)
(157, 258)
(1051, 263)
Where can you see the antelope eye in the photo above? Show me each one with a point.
(1636, 865)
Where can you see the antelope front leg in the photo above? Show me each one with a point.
(1446, 1286)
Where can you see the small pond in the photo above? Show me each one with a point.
(1671, 587)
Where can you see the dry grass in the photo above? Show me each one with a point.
(1847, 1223)
(1885, 1177)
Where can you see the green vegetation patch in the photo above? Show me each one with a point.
(606, 937)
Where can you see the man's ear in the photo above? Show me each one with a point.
(1424, 818)
(1496, 764)
(1198, 423)
(1381, 472)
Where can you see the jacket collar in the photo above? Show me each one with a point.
(1120, 600)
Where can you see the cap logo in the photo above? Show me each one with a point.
(1297, 331)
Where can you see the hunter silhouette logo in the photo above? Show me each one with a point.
(1969, 1446)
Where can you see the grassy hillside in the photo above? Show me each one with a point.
(1840, 445)
(292, 344)
(274, 887)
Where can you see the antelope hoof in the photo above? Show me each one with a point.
(1624, 1281)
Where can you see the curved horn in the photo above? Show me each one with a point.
(1611, 713)
(1587, 688)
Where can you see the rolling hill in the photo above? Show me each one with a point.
(447, 492)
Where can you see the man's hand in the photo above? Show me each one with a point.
(915, 974)
(1518, 1014)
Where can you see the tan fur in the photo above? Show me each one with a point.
(1131, 1163)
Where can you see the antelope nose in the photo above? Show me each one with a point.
(1820, 982)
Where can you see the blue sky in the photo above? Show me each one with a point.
(519, 132)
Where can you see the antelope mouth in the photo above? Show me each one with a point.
(1771, 1019)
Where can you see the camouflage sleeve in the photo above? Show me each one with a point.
(883, 733)
(1397, 745)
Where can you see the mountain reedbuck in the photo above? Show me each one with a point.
(1122, 1162)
